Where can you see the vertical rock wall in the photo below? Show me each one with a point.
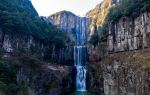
(123, 73)
(125, 69)
(130, 33)
(98, 15)
(70, 23)
(47, 80)
(12, 43)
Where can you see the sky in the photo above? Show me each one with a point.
(79, 7)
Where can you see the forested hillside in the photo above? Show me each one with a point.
(124, 8)
(19, 16)
(24, 37)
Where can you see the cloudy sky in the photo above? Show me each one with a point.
(79, 7)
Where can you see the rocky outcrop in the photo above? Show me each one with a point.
(130, 33)
(70, 23)
(15, 43)
(91, 23)
(125, 69)
(126, 79)
(124, 73)
(12, 43)
(99, 14)
(47, 80)
(95, 79)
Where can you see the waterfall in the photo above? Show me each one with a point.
(80, 54)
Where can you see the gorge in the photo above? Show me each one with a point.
(104, 53)
(78, 26)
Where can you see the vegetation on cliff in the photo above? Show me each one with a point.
(98, 15)
(10, 68)
(129, 8)
(8, 78)
(19, 16)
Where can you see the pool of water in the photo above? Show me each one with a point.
(82, 93)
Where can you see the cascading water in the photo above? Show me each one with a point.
(80, 54)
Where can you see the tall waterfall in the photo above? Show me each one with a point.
(80, 54)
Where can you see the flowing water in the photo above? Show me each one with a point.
(82, 93)
(80, 55)
(80, 58)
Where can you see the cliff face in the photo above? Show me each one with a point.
(123, 69)
(129, 33)
(22, 29)
(125, 73)
(12, 43)
(23, 49)
(43, 80)
(70, 23)
(91, 23)
(47, 80)
(99, 14)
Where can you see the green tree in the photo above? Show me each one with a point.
(95, 39)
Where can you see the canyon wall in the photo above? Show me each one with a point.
(98, 15)
(119, 66)
(70, 23)
(12, 43)
(46, 80)
(124, 67)
(34, 76)
(15, 43)
(124, 73)
(27, 56)
(130, 33)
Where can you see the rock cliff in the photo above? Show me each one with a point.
(11, 43)
(120, 65)
(99, 14)
(91, 23)
(124, 73)
(47, 80)
(70, 23)
(24, 50)
(130, 33)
